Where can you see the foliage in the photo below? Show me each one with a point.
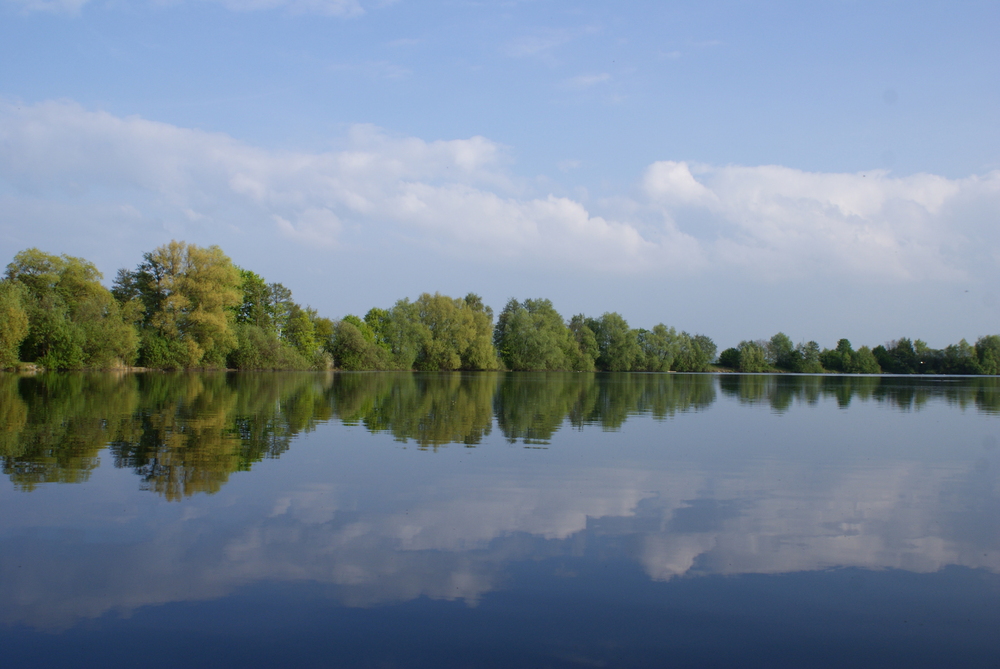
(781, 353)
(658, 348)
(456, 334)
(753, 356)
(695, 353)
(353, 350)
(898, 357)
(532, 336)
(988, 354)
(185, 306)
(617, 344)
(261, 348)
(13, 322)
(730, 358)
(863, 361)
(73, 320)
(191, 298)
(584, 354)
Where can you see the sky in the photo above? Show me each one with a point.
(826, 169)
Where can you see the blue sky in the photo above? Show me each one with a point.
(826, 169)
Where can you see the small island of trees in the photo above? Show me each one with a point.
(187, 307)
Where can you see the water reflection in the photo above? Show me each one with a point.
(670, 475)
(187, 433)
(781, 391)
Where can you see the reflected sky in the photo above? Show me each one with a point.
(388, 494)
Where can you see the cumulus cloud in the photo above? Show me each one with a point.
(452, 195)
(782, 222)
(459, 198)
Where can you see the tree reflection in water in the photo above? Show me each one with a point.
(186, 433)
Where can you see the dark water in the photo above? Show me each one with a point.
(492, 520)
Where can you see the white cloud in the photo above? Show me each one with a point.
(452, 195)
(458, 197)
(782, 222)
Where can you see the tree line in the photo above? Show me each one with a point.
(187, 307)
(900, 356)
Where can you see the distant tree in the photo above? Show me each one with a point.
(781, 353)
(988, 353)
(352, 350)
(659, 348)
(864, 361)
(256, 308)
(839, 359)
(753, 356)
(399, 331)
(13, 322)
(532, 336)
(73, 320)
(300, 331)
(898, 357)
(807, 358)
(190, 297)
(480, 353)
(960, 358)
(730, 358)
(454, 335)
(617, 344)
(695, 353)
(583, 355)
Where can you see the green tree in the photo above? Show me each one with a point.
(583, 354)
(354, 350)
(807, 358)
(781, 353)
(13, 322)
(695, 353)
(73, 320)
(532, 336)
(300, 331)
(730, 358)
(839, 359)
(863, 361)
(659, 347)
(753, 356)
(189, 295)
(899, 357)
(457, 335)
(960, 358)
(617, 344)
(988, 353)
(256, 308)
(480, 354)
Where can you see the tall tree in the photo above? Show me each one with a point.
(618, 345)
(13, 322)
(753, 356)
(73, 320)
(532, 336)
(189, 295)
(659, 348)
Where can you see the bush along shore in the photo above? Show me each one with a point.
(186, 307)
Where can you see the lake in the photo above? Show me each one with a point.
(499, 520)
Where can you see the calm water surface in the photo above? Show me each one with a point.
(499, 520)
